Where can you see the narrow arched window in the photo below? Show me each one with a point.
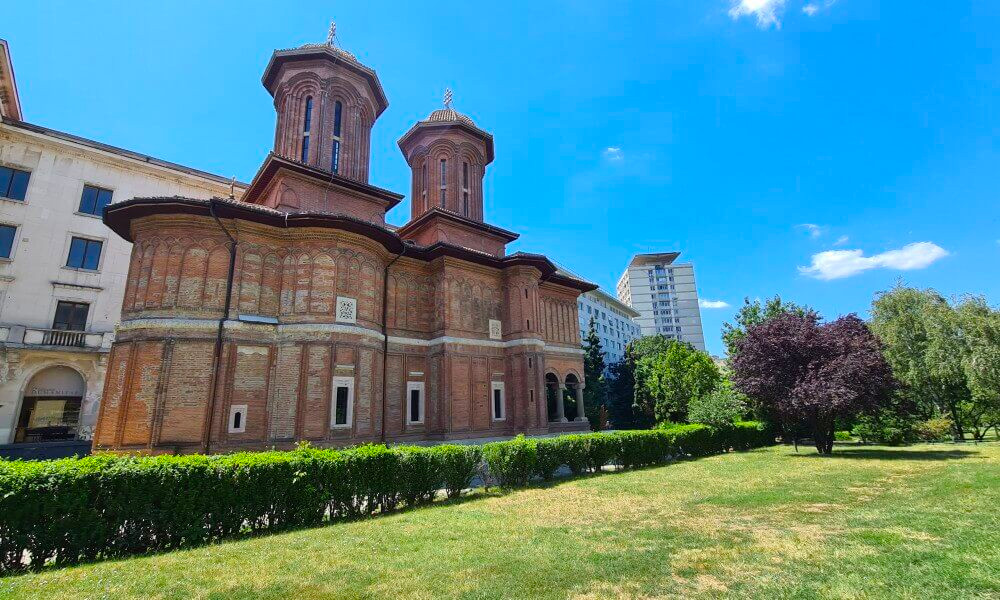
(423, 184)
(338, 109)
(465, 189)
(306, 125)
(444, 179)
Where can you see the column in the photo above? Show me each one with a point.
(580, 414)
(560, 409)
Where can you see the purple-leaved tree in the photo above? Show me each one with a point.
(810, 373)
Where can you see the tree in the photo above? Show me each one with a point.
(595, 394)
(622, 409)
(944, 358)
(667, 380)
(721, 407)
(810, 374)
(755, 313)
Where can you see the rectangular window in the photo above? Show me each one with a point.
(84, 254)
(71, 316)
(94, 199)
(7, 240)
(13, 183)
(342, 410)
(444, 179)
(414, 402)
(499, 404)
(423, 184)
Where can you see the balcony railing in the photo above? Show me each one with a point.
(62, 337)
(35, 336)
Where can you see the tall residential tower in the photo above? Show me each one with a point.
(664, 294)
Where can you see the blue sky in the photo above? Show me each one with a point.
(819, 150)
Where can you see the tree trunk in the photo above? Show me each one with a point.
(823, 437)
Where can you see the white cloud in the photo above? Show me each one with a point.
(712, 303)
(765, 11)
(613, 153)
(813, 229)
(837, 264)
(842, 240)
(812, 8)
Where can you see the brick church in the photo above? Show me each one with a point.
(298, 313)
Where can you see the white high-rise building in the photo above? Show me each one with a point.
(664, 294)
(613, 322)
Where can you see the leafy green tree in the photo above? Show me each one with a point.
(755, 313)
(595, 394)
(979, 325)
(667, 380)
(922, 340)
(721, 407)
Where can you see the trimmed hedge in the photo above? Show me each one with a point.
(71, 510)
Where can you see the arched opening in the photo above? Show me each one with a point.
(553, 397)
(570, 390)
(50, 410)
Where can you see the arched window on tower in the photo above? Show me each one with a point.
(444, 179)
(465, 189)
(306, 125)
(338, 109)
(423, 184)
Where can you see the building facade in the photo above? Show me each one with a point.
(298, 313)
(613, 321)
(62, 272)
(665, 295)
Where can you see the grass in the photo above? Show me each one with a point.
(869, 522)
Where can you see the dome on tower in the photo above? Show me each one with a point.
(448, 115)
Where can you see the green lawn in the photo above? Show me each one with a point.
(872, 522)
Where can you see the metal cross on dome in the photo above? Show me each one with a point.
(332, 33)
(447, 97)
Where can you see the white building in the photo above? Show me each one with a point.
(62, 272)
(664, 294)
(613, 323)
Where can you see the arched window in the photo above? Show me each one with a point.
(306, 125)
(444, 179)
(465, 189)
(423, 184)
(338, 109)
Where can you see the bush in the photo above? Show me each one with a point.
(938, 429)
(842, 436)
(71, 510)
(884, 428)
(721, 407)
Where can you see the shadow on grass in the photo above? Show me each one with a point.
(891, 454)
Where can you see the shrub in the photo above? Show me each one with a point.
(721, 407)
(104, 506)
(458, 464)
(938, 429)
(842, 436)
(512, 463)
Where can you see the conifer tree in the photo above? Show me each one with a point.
(595, 394)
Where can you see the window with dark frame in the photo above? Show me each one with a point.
(497, 404)
(7, 233)
(84, 254)
(340, 416)
(415, 405)
(444, 180)
(71, 316)
(94, 199)
(307, 124)
(13, 183)
(338, 110)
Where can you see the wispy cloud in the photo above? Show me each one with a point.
(812, 229)
(766, 12)
(811, 8)
(613, 153)
(837, 264)
(712, 303)
(842, 240)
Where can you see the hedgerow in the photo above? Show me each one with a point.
(66, 511)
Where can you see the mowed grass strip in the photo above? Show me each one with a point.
(869, 522)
